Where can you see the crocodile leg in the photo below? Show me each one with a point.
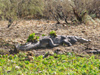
(67, 42)
(72, 39)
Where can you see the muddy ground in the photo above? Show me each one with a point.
(19, 33)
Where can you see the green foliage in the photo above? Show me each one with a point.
(32, 38)
(66, 64)
(43, 34)
(53, 33)
(12, 9)
(8, 9)
(31, 7)
(42, 8)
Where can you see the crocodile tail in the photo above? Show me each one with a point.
(82, 40)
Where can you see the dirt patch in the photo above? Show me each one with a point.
(20, 32)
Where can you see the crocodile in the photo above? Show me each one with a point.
(52, 41)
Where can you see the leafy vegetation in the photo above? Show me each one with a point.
(12, 9)
(32, 38)
(65, 64)
(53, 33)
(43, 35)
(61, 65)
(71, 9)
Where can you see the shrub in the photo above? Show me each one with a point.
(8, 9)
(33, 38)
(92, 6)
(12, 9)
(50, 9)
(53, 33)
(63, 10)
(57, 9)
(30, 8)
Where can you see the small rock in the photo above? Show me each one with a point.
(83, 31)
(17, 67)
(30, 53)
(58, 50)
(30, 58)
(49, 53)
(8, 71)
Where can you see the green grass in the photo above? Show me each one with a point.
(67, 64)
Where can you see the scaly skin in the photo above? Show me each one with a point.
(52, 42)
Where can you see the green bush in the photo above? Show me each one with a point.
(8, 9)
(30, 8)
(33, 38)
(20, 8)
(53, 33)
(13, 9)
